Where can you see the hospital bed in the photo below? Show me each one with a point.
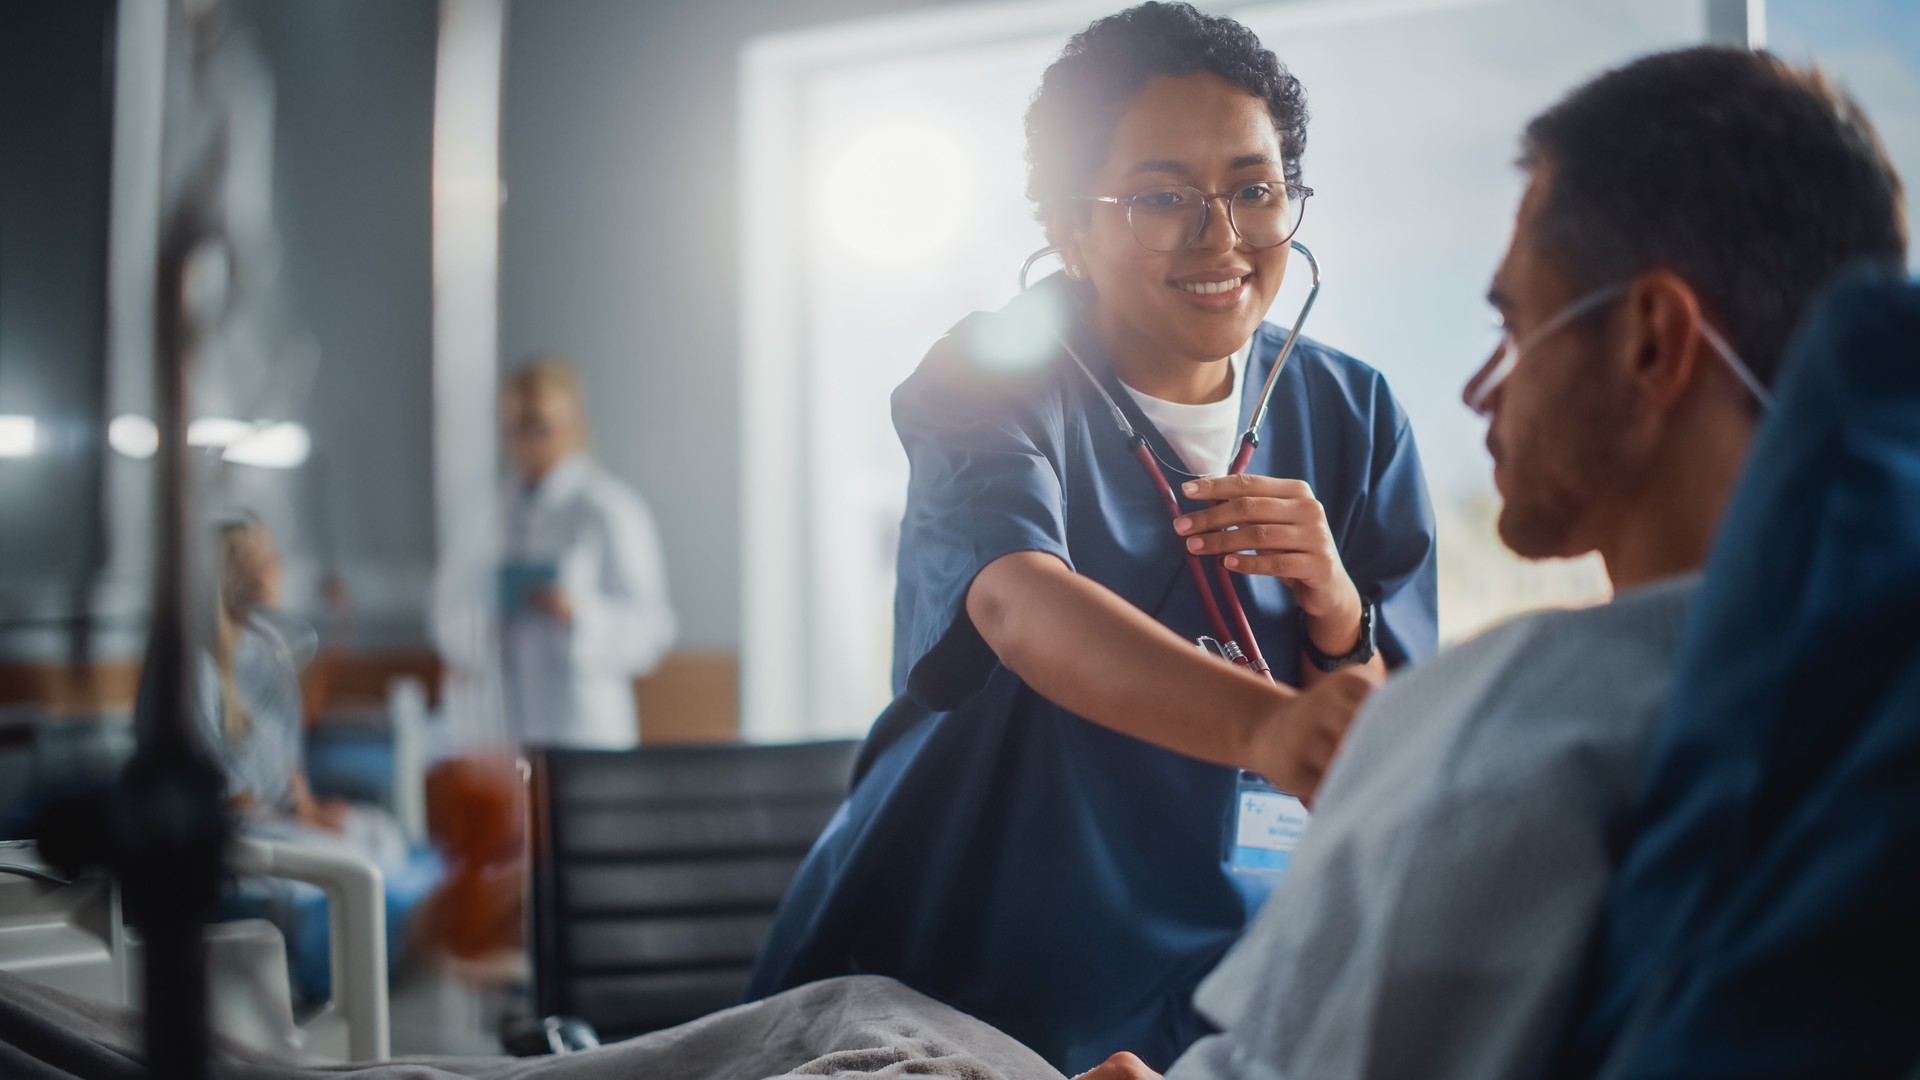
(70, 935)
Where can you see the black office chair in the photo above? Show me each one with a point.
(656, 872)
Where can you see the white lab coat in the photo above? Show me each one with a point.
(560, 685)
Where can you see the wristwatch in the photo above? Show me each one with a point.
(1361, 652)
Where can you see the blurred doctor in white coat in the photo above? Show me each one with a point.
(563, 599)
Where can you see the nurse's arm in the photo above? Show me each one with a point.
(1092, 653)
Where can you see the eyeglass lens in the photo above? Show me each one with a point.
(1170, 218)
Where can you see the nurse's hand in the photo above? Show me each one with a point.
(1121, 1066)
(1296, 747)
(1278, 529)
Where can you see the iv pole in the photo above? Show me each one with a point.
(162, 830)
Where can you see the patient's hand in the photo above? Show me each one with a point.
(329, 814)
(1298, 744)
(1121, 1066)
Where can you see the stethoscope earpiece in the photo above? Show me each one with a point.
(1026, 268)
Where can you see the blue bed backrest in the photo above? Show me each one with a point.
(1766, 917)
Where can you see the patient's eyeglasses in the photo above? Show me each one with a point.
(1262, 214)
(1479, 390)
(1478, 393)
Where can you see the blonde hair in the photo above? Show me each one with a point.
(550, 375)
(546, 375)
(238, 582)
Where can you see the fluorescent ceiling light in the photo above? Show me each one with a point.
(17, 436)
(133, 435)
(263, 443)
(217, 431)
(284, 445)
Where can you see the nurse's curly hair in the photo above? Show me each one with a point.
(1085, 92)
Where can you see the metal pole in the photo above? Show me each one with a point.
(168, 817)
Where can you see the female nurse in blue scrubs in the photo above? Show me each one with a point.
(1041, 823)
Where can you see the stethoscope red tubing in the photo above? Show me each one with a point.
(1232, 631)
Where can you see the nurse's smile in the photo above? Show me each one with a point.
(1220, 291)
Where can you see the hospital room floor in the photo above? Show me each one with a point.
(435, 1012)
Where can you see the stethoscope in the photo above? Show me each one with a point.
(1232, 633)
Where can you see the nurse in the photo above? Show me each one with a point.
(1042, 826)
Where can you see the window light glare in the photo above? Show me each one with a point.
(18, 436)
(895, 193)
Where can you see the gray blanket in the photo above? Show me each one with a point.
(860, 1026)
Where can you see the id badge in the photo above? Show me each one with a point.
(1267, 824)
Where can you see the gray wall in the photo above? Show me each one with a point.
(352, 195)
(619, 244)
(55, 120)
(351, 165)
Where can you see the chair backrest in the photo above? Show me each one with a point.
(657, 871)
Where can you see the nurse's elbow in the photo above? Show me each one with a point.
(1003, 594)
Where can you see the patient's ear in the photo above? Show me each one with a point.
(1663, 347)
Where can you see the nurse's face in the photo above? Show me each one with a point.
(1204, 132)
(1557, 427)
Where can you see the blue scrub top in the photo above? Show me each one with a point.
(1064, 882)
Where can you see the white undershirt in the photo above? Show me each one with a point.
(1205, 436)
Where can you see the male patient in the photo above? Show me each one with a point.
(1680, 214)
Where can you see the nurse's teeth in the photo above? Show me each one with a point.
(1209, 288)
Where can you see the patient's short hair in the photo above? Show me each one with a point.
(1754, 180)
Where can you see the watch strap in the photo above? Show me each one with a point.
(1363, 649)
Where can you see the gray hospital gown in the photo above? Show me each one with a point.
(263, 760)
(1434, 917)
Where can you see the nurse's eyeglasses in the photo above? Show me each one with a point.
(1263, 214)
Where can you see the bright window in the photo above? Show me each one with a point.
(904, 139)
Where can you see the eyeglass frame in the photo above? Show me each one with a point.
(1288, 187)
(1478, 393)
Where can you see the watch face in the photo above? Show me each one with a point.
(1363, 651)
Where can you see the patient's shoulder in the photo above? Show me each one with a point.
(1562, 655)
(1548, 685)
(1565, 656)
